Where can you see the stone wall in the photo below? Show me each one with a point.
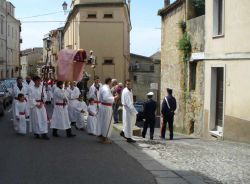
(175, 72)
(172, 65)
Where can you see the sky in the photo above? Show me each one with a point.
(146, 24)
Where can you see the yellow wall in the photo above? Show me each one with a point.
(237, 98)
(236, 28)
(232, 52)
(108, 38)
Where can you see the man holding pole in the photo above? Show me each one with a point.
(105, 116)
(38, 114)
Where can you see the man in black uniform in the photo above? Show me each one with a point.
(167, 111)
(149, 115)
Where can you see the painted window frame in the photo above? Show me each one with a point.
(218, 19)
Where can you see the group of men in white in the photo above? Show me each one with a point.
(69, 108)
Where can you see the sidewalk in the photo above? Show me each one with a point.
(163, 171)
(189, 159)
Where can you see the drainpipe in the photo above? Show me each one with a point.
(6, 64)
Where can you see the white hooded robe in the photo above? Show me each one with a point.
(80, 120)
(92, 119)
(129, 112)
(21, 114)
(105, 114)
(60, 117)
(73, 101)
(38, 117)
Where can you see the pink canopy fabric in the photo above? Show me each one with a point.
(71, 65)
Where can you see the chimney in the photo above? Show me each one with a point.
(166, 3)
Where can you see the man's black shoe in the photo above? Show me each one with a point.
(122, 134)
(171, 138)
(151, 138)
(143, 136)
(129, 140)
(37, 136)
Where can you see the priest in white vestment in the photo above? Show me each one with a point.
(129, 112)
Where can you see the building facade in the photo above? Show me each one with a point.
(145, 75)
(30, 61)
(53, 42)
(182, 66)
(227, 64)
(10, 41)
(104, 27)
(208, 78)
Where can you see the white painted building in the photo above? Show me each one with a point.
(9, 41)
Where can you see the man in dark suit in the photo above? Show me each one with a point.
(167, 111)
(149, 115)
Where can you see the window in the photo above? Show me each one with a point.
(152, 68)
(108, 62)
(92, 16)
(1, 26)
(108, 16)
(192, 75)
(218, 18)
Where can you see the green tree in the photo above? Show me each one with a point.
(199, 6)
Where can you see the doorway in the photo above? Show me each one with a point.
(217, 100)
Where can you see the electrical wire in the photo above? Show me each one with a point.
(40, 15)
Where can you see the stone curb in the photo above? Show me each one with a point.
(163, 171)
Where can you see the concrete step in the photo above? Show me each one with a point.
(136, 130)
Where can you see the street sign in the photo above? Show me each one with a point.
(154, 86)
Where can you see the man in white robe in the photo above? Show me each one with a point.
(129, 112)
(28, 83)
(94, 90)
(60, 117)
(105, 114)
(38, 114)
(74, 93)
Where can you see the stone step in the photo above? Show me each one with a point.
(136, 130)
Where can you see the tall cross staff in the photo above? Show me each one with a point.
(48, 40)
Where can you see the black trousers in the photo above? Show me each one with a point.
(151, 124)
(170, 122)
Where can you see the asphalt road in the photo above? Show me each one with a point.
(25, 160)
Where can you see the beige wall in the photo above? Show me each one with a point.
(108, 38)
(232, 52)
(237, 98)
(236, 28)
